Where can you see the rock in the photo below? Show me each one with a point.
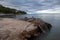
(15, 29)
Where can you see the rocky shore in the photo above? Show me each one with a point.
(22, 29)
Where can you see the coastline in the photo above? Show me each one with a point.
(22, 29)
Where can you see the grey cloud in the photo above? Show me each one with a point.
(1, 0)
(32, 5)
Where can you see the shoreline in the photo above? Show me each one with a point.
(22, 29)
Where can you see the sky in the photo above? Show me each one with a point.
(33, 6)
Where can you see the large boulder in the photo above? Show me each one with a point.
(15, 29)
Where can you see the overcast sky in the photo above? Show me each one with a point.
(33, 6)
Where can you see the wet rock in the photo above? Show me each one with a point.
(15, 29)
(44, 26)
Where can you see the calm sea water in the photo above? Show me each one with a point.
(53, 19)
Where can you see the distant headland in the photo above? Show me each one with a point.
(6, 10)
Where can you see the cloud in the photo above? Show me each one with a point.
(32, 5)
(56, 10)
(1, 0)
(6, 4)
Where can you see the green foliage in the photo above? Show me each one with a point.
(6, 10)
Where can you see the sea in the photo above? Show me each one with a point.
(53, 19)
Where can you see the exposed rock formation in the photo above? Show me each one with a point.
(15, 29)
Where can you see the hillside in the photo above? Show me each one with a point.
(6, 10)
